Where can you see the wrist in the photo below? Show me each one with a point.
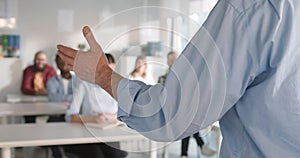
(103, 78)
(108, 80)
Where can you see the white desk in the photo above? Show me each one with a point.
(17, 98)
(58, 134)
(25, 109)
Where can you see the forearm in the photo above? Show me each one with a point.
(112, 118)
(82, 119)
(77, 118)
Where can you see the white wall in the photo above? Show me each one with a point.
(38, 22)
(10, 80)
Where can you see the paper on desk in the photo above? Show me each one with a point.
(103, 126)
(4, 113)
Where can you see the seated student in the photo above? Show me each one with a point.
(86, 107)
(140, 71)
(59, 87)
(35, 78)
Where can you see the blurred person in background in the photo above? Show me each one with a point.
(35, 78)
(171, 58)
(59, 89)
(86, 108)
(140, 71)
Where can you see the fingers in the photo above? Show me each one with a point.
(67, 54)
(67, 51)
(90, 38)
(67, 59)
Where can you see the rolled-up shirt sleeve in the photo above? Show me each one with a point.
(78, 97)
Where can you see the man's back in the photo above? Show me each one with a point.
(264, 122)
(242, 68)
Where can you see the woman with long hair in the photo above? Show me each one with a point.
(140, 71)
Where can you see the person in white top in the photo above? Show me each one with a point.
(140, 71)
(87, 108)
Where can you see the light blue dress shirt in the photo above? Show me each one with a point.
(242, 68)
(56, 91)
(90, 99)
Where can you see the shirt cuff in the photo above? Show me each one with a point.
(69, 114)
(124, 99)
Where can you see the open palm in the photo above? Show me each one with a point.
(86, 65)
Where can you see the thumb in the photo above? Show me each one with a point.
(88, 34)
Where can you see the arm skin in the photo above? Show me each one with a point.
(101, 118)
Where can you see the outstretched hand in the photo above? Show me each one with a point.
(92, 65)
(86, 65)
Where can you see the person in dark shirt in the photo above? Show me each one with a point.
(172, 56)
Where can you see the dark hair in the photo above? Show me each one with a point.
(57, 57)
(172, 52)
(110, 58)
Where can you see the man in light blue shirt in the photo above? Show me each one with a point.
(59, 87)
(241, 68)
